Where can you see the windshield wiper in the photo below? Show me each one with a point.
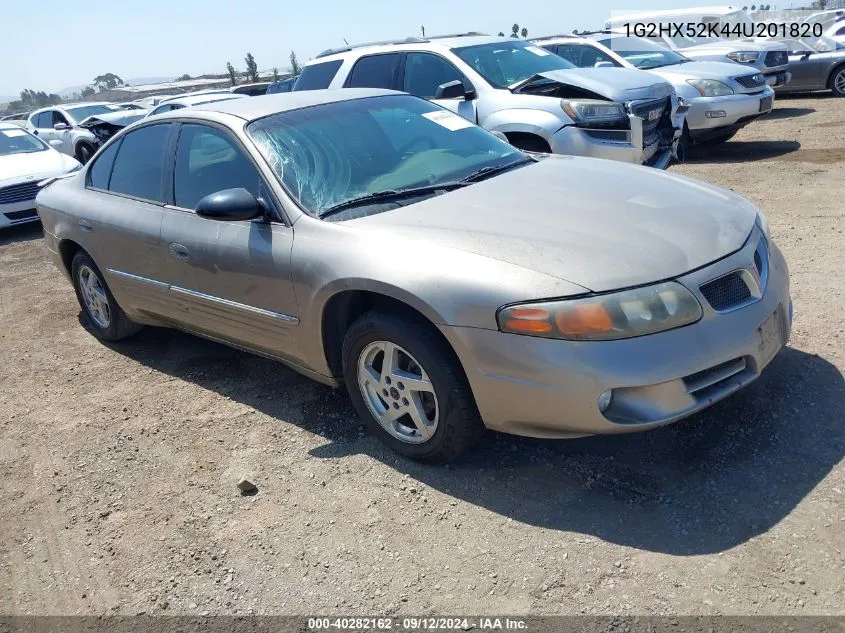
(486, 172)
(391, 195)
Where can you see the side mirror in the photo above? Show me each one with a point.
(604, 64)
(59, 127)
(230, 205)
(454, 90)
(56, 143)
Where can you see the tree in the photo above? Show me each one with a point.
(251, 68)
(753, 7)
(524, 32)
(231, 70)
(276, 74)
(515, 30)
(574, 31)
(185, 77)
(422, 28)
(501, 34)
(295, 69)
(109, 81)
(87, 91)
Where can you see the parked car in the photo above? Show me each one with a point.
(723, 97)
(372, 239)
(61, 123)
(769, 57)
(816, 63)
(105, 125)
(251, 90)
(539, 101)
(18, 118)
(188, 100)
(25, 161)
(283, 85)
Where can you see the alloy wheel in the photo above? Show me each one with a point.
(94, 295)
(398, 392)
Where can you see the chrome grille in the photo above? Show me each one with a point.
(751, 81)
(651, 122)
(726, 292)
(18, 193)
(777, 58)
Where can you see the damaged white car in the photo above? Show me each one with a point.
(538, 100)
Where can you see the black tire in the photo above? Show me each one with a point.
(119, 325)
(459, 425)
(84, 152)
(528, 142)
(838, 75)
(715, 140)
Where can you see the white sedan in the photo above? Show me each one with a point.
(26, 160)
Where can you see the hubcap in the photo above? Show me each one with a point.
(839, 82)
(398, 392)
(94, 296)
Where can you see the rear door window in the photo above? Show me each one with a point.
(425, 72)
(374, 71)
(100, 172)
(139, 165)
(317, 76)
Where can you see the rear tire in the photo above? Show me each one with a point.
(423, 399)
(103, 316)
(837, 81)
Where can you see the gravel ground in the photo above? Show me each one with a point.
(120, 463)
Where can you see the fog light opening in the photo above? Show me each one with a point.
(605, 399)
(715, 114)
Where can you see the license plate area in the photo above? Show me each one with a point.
(770, 337)
(765, 104)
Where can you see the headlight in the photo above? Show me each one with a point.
(710, 87)
(763, 224)
(607, 317)
(594, 111)
(743, 57)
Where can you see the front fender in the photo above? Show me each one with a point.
(539, 122)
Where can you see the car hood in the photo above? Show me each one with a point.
(618, 84)
(559, 217)
(120, 118)
(16, 167)
(702, 70)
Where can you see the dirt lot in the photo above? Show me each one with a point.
(119, 463)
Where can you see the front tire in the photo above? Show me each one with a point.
(103, 316)
(409, 388)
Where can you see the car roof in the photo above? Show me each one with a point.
(413, 44)
(252, 108)
(191, 100)
(11, 126)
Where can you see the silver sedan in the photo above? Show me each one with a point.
(371, 239)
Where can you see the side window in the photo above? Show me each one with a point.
(58, 117)
(425, 72)
(44, 120)
(207, 161)
(588, 56)
(567, 51)
(138, 167)
(100, 172)
(840, 32)
(317, 76)
(375, 71)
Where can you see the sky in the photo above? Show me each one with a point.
(56, 44)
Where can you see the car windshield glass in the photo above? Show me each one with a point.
(642, 53)
(81, 113)
(328, 155)
(19, 141)
(823, 44)
(507, 63)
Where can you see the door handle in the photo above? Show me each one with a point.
(179, 252)
(85, 225)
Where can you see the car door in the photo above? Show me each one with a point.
(64, 135)
(123, 215)
(230, 280)
(43, 126)
(423, 73)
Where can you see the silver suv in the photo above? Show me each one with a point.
(62, 124)
(538, 100)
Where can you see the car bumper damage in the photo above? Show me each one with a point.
(650, 137)
(714, 116)
(552, 388)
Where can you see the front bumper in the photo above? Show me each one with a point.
(17, 213)
(719, 114)
(550, 388)
(778, 78)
